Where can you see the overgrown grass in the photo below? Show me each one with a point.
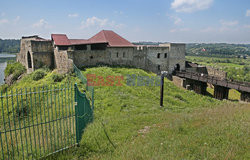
(205, 133)
(130, 124)
(14, 68)
(34, 101)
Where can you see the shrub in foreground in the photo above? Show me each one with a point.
(15, 68)
(57, 77)
(38, 74)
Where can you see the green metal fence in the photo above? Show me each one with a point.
(90, 89)
(37, 122)
(84, 113)
(43, 120)
(84, 105)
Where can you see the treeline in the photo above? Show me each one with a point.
(9, 46)
(217, 49)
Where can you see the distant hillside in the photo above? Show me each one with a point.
(9, 45)
(217, 49)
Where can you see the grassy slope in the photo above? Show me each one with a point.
(189, 126)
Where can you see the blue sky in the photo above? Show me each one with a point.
(136, 20)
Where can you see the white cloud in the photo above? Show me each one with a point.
(98, 22)
(190, 5)
(73, 15)
(179, 30)
(228, 23)
(176, 19)
(248, 13)
(208, 29)
(225, 27)
(41, 24)
(4, 21)
(16, 19)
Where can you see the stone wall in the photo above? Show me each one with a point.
(41, 46)
(25, 47)
(111, 56)
(176, 56)
(216, 73)
(144, 57)
(35, 53)
(63, 61)
(179, 81)
(42, 59)
(156, 59)
(150, 58)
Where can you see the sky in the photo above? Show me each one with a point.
(184, 21)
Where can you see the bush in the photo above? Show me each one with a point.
(14, 68)
(38, 74)
(57, 77)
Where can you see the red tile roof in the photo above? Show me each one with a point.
(110, 37)
(104, 36)
(79, 41)
(60, 39)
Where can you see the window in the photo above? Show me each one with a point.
(158, 55)
(117, 54)
(63, 47)
(165, 55)
(98, 46)
(123, 54)
(159, 67)
(91, 57)
(80, 47)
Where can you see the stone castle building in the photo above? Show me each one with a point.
(104, 48)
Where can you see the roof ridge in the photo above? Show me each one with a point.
(104, 35)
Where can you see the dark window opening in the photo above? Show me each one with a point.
(80, 47)
(123, 54)
(29, 60)
(98, 46)
(177, 67)
(165, 55)
(159, 67)
(158, 55)
(117, 54)
(63, 48)
(91, 57)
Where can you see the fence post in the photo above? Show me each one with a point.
(92, 98)
(76, 115)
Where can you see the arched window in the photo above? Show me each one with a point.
(123, 55)
(158, 55)
(29, 60)
(117, 54)
(159, 67)
(165, 55)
